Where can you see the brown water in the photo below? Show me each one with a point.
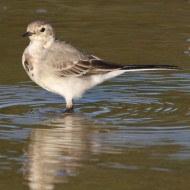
(131, 133)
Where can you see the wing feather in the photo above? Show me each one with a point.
(84, 67)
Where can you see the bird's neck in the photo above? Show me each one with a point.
(48, 43)
(39, 44)
(36, 44)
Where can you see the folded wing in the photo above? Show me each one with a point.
(92, 66)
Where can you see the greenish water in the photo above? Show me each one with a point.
(132, 132)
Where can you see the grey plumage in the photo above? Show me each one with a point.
(66, 70)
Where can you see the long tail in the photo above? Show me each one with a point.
(149, 67)
(115, 70)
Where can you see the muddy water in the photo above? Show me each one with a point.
(132, 132)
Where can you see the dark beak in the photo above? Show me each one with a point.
(26, 34)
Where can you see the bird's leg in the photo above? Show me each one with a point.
(69, 109)
(69, 106)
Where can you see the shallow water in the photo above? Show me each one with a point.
(132, 132)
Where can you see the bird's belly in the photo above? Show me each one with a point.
(72, 87)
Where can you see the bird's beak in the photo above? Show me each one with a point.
(26, 34)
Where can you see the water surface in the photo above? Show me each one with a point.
(131, 132)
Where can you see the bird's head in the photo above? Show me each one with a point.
(40, 31)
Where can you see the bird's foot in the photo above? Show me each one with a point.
(69, 110)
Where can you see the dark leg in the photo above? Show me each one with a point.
(69, 106)
(69, 110)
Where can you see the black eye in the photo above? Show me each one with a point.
(42, 29)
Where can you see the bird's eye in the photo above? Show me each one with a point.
(42, 29)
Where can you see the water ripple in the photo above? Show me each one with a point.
(133, 108)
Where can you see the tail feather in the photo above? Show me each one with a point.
(149, 67)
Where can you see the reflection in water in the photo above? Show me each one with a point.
(145, 122)
(56, 152)
(145, 116)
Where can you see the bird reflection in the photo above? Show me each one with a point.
(57, 152)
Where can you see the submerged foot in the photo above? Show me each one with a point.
(69, 110)
(69, 106)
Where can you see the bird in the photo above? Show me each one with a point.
(66, 70)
